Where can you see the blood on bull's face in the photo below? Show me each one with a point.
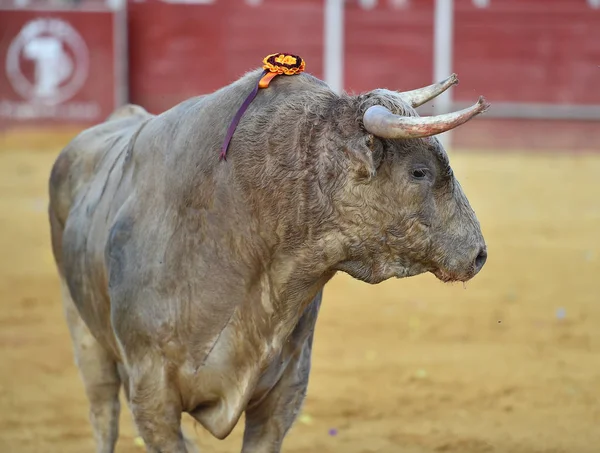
(401, 209)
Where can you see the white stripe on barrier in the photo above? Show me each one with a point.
(334, 44)
(443, 36)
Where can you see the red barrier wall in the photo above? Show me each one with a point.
(389, 46)
(59, 67)
(194, 49)
(528, 51)
(511, 51)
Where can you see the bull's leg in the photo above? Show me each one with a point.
(100, 378)
(125, 379)
(268, 422)
(156, 406)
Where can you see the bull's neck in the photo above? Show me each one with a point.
(278, 179)
(295, 260)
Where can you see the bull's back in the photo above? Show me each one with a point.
(76, 164)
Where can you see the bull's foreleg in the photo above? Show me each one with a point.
(125, 380)
(268, 422)
(100, 378)
(156, 406)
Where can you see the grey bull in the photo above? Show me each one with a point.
(195, 283)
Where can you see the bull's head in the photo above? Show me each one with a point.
(401, 208)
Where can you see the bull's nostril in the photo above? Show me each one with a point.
(480, 260)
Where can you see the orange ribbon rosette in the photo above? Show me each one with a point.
(280, 63)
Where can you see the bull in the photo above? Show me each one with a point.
(195, 283)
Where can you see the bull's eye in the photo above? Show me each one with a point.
(419, 173)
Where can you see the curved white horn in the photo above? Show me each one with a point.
(380, 122)
(422, 95)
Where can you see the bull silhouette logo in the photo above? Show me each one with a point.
(47, 62)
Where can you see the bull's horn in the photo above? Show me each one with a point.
(380, 122)
(422, 95)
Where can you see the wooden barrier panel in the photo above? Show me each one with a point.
(528, 51)
(60, 66)
(196, 48)
(389, 45)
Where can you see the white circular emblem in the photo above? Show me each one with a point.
(47, 62)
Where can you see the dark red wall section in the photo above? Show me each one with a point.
(512, 50)
(196, 49)
(528, 51)
(389, 46)
(178, 51)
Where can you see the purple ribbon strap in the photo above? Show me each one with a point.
(238, 116)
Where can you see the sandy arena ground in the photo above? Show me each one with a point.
(511, 364)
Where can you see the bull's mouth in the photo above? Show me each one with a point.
(461, 273)
(451, 277)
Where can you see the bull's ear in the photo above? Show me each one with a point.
(365, 157)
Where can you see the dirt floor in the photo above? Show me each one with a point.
(510, 364)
